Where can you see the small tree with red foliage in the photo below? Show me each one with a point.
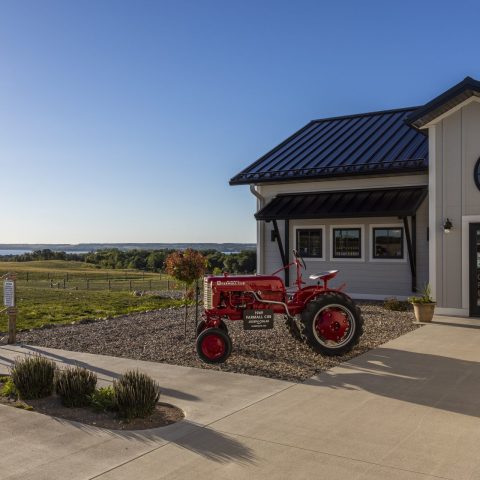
(186, 266)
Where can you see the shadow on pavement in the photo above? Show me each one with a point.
(201, 440)
(7, 362)
(30, 350)
(440, 382)
(69, 361)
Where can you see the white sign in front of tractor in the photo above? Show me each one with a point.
(9, 293)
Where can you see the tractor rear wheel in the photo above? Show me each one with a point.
(332, 324)
(203, 325)
(213, 345)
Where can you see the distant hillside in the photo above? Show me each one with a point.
(88, 247)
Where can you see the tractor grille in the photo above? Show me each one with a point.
(207, 294)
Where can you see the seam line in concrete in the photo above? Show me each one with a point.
(129, 461)
(335, 455)
(201, 427)
(56, 459)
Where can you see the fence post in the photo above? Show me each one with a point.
(27, 277)
(64, 284)
(150, 284)
(51, 283)
(168, 284)
(88, 282)
(130, 285)
(109, 286)
(12, 325)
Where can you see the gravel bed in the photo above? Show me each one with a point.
(159, 336)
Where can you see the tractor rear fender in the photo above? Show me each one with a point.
(330, 290)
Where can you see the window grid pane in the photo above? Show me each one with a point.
(347, 243)
(388, 243)
(309, 243)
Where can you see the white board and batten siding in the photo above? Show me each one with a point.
(365, 278)
(454, 146)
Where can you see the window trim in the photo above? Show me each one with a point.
(360, 227)
(311, 227)
(379, 226)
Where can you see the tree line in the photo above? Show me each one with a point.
(147, 260)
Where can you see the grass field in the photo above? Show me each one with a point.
(63, 292)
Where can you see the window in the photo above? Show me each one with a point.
(388, 242)
(310, 242)
(476, 174)
(347, 243)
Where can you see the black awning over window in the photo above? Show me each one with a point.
(385, 202)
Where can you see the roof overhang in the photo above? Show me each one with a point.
(454, 98)
(415, 166)
(381, 202)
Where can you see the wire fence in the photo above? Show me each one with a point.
(121, 281)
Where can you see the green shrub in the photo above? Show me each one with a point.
(75, 385)
(395, 305)
(136, 394)
(33, 377)
(8, 388)
(103, 399)
(23, 406)
(425, 297)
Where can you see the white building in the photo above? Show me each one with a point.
(391, 199)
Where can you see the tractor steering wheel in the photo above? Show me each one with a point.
(302, 261)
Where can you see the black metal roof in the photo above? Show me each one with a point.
(369, 143)
(382, 202)
(446, 101)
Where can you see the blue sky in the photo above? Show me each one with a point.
(122, 121)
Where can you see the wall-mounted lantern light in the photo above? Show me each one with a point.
(447, 226)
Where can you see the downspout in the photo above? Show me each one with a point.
(260, 230)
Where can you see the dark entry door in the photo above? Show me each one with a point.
(475, 269)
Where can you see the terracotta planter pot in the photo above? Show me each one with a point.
(424, 311)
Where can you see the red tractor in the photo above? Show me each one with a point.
(326, 319)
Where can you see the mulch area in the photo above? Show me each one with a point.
(159, 336)
(164, 414)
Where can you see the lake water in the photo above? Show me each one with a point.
(14, 252)
(21, 252)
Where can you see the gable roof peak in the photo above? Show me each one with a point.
(444, 102)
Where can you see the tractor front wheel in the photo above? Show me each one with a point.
(203, 325)
(332, 324)
(213, 345)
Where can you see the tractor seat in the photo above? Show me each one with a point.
(328, 275)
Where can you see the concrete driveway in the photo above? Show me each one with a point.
(407, 410)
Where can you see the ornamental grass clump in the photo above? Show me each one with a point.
(136, 394)
(75, 385)
(33, 377)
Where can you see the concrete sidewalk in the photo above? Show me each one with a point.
(407, 410)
